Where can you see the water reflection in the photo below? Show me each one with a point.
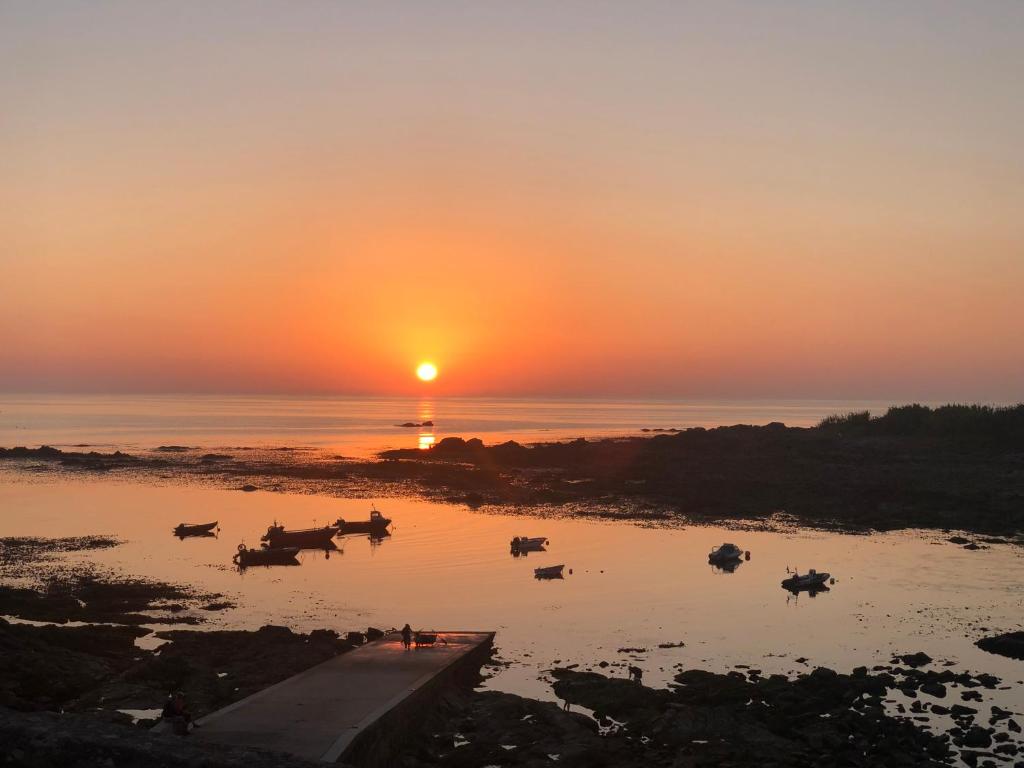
(631, 586)
(426, 440)
(729, 566)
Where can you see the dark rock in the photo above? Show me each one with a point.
(1010, 644)
(977, 736)
(959, 710)
(915, 660)
(374, 634)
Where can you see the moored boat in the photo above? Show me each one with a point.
(810, 580)
(307, 538)
(194, 529)
(265, 556)
(549, 572)
(377, 525)
(527, 544)
(724, 554)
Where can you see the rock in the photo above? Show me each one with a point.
(977, 736)
(915, 660)
(959, 710)
(934, 689)
(373, 633)
(248, 488)
(1010, 644)
(958, 540)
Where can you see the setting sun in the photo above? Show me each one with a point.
(426, 371)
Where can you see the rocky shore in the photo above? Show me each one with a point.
(734, 719)
(850, 473)
(83, 693)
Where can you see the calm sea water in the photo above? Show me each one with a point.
(361, 426)
(446, 567)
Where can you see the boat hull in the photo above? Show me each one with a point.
(194, 529)
(363, 526)
(796, 584)
(267, 556)
(317, 538)
(551, 572)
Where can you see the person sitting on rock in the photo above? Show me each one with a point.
(175, 713)
(406, 636)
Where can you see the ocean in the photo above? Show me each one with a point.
(360, 426)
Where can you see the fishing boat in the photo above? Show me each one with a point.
(527, 544)
(549, 572)
(810, 580)
(307, 538)
(725, 554)
(194, 529)
(377, 525)
(265, 556)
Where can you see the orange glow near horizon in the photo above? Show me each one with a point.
(311, 201)
(426, 372)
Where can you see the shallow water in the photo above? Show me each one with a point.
(362, 426)
(449, 568)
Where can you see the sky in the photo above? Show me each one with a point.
(644, 199)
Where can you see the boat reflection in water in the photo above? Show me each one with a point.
(728, 566)
(246, 558)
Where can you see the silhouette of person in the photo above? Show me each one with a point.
(175, 713)
(406, 636)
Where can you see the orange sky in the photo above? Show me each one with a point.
(729, 201)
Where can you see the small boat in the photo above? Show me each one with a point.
(376, 525)
(307, 538)
(265, 556)
(549, 572)
(194, 529)
(810, 580)
(527, 544)
(725, 554)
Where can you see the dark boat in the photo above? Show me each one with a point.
(307, 538)
(376, 525)
(725, 554)
(811, 581)
(194, 529)
(520, 545)
(265, 556)
(549, 572)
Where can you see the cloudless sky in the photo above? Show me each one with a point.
(721, 199)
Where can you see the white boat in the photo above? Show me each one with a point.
(549, 572)
(725, 553)
(810, 580)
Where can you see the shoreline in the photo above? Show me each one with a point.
(824, 477)
(914, 710)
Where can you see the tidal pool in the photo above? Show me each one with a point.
(630, 586)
